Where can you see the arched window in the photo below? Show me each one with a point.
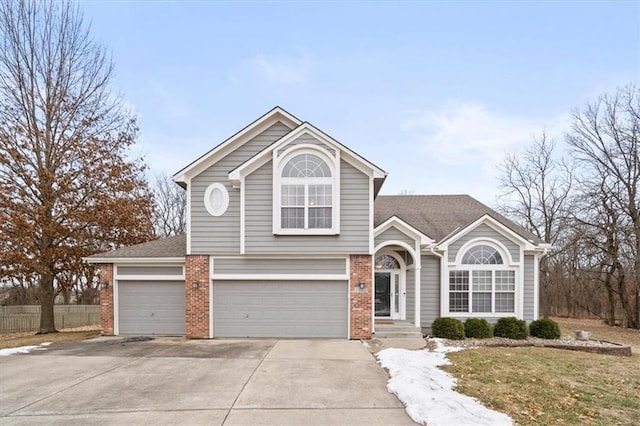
(306, 193)
(482, 254)
(481, 283)
(306, 166)
(386, 262)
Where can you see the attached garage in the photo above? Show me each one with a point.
(289, 309)
(151, 307)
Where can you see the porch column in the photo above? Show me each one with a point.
(197, 296)
(360, 308)
(417, 269)
(106, 298)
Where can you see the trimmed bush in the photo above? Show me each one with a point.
(545, 329)
(477, 328)
(448, 328)
(511, 328)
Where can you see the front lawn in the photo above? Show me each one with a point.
(15, 340)
(556, 387)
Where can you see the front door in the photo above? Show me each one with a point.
(388, 297)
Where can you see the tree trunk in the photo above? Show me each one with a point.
(47, 297)
(611, 308)
(637, 279)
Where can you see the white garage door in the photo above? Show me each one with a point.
(151, 307)
(294, 309)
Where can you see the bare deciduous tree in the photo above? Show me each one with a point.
(170, 217)
(536, 189)
(605, 141)
(590, 212)
(66, 187)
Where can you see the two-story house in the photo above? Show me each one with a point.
(288, 237)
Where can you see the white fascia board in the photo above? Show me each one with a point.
(137, 260)
(232, 143)
(306, 128)
(405, 228)
(495, 225)
(281, 277)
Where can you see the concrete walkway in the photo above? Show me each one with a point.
(221, 382)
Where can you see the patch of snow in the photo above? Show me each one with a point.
(427, 391)
(23, 349)
(365, 344)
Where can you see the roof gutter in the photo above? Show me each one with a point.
(102, 260)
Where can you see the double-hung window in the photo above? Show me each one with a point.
(482, 284)
(306, 194)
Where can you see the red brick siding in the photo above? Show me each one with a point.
(197, 297)
(106, 298)
(360, 298)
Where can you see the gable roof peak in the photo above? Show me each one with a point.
(275, 114)
(442, 216)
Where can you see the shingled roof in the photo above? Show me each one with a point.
(438, 216)
(164, 247)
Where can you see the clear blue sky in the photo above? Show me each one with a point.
(432, 92)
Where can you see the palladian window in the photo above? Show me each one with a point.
(482, 283)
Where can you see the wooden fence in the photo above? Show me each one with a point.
(16, 319)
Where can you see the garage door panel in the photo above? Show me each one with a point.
(151, 307)
(280, 309)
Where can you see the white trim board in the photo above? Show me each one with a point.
(283, 277)
(403, 227)
(240, 138)
(305, 128)
(496, 226)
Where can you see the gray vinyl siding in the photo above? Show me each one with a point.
(209, 234)
(410, 298)
(354, 217)
(484, 231)
(309, 140)
(529, 262)
(279, 266)
(429, 291)
(149, 270)
(394, 233)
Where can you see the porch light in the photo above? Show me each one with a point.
(361, 284)
(195, 284)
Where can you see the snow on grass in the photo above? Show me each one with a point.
(427, 391)
(23, 349)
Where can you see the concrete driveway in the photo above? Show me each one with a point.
(214, 382)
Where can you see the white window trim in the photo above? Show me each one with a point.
(333, 161)
(213, 211)
(507, 265)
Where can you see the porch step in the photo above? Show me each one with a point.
(396, 330)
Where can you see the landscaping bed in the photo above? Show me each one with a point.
(568, 343)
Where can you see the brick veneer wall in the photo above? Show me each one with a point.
(106, 298)
(197, 297)
(361, 318)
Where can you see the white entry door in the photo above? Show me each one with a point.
(389, 300)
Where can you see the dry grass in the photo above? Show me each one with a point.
(553, 386)
(15, 340)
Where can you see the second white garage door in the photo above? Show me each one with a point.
(295, 309)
